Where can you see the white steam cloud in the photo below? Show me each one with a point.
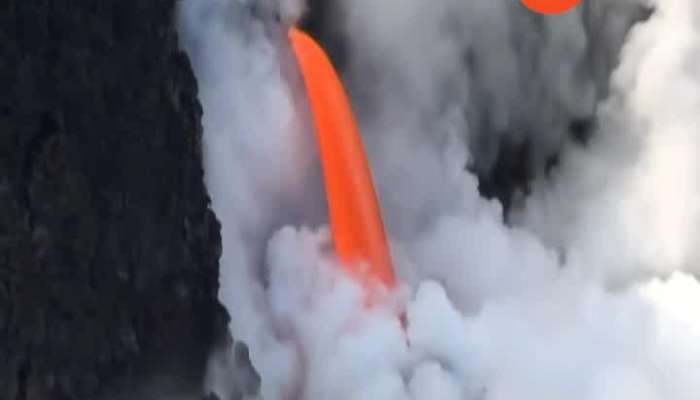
(630, 205)
(590, 297)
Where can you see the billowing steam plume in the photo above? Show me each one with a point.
(589, 294)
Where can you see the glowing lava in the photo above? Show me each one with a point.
(355, 217)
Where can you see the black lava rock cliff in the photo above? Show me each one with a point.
(108, 249)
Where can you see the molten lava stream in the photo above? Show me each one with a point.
(356, 222)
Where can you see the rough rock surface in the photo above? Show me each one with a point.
(108, 249)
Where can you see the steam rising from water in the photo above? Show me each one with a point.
(589, 297)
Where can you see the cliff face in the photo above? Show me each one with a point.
(108, 249)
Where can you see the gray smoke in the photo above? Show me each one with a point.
(627, 206)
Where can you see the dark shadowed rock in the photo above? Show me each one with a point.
(108, 249)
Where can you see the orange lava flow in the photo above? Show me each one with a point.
(355, 218)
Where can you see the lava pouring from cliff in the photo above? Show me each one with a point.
(589, 293)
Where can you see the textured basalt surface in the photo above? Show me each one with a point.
(108, 249)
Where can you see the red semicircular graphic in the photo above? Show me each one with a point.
(550, 6)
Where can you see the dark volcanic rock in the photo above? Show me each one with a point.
(108, 248)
